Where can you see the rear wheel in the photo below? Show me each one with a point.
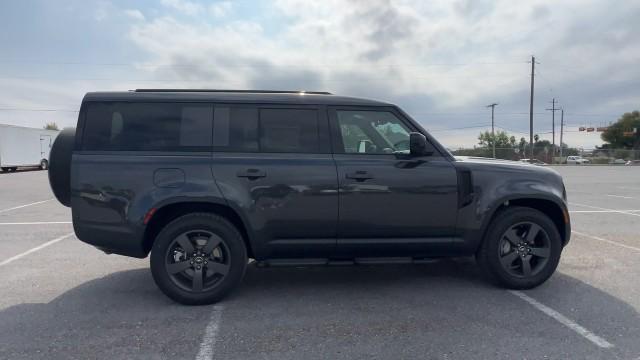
(5, 169)
(198, 258)
(521, 249)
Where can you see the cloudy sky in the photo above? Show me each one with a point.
(442, 61)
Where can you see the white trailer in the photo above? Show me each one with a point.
(25, 147)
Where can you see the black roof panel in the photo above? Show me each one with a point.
(260, 96)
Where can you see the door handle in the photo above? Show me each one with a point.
(251, 174)
(359, 175)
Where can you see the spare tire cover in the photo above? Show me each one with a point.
(60, 165)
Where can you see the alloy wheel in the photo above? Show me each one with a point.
(197, 261)
(524, 249)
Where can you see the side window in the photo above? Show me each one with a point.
(235, 129)
(266, 130)
(289, 130)
(372, 132)
(118, 126)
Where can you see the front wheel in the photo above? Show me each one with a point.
(521, 249)
(198, 258)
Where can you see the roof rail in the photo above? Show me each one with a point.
(238, 91)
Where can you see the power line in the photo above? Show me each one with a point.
(461, 128)
(172, 65)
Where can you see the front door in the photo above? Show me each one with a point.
(391, 203)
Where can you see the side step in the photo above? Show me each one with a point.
(330, 262)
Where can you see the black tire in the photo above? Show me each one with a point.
(60, 165)
(13, 169)
(5, 169)
(498, 249)
(44, 164)
(168, 252)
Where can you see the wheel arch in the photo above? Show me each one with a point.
(169, 212)
(556, 212)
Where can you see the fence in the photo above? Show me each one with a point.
(595, 156)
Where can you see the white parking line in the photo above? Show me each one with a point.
(627, 212)
(629, 187)
(622, 197)
(50, 242)
(23, 206)
(209, 339)
(600, 342)
(606, 240)
(36, 223)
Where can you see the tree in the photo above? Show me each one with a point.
(625, 133)
(51, 126)
(508, 147)
(505, 144)
(522, 146)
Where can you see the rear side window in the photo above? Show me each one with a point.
(148, 127)
(266, 130)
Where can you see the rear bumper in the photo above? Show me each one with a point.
(111, 239)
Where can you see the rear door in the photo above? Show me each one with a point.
(45, 146)
(391, 203)
(273, 165)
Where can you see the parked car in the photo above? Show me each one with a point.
(618, 162)
(534, 162)
(204, 180)
(633, 162)
(577, 160)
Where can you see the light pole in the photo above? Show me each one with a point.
(493, 135)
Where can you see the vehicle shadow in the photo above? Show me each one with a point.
(336, 312)
(20, 170)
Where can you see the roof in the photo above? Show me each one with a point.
(241, 96)
(26, 127)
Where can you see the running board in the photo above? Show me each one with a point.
(330, 262)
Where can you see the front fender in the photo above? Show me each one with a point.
(497, 186)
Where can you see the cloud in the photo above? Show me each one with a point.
(102, 10)
(134, 14)
(220, 9)
(431, 58)
(184, 6)
(440, 60)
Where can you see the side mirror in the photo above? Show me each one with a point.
(418, 144)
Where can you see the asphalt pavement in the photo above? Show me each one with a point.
(63, 299)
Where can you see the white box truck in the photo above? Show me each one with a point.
(25, 147)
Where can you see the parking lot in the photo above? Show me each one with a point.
(61, 298)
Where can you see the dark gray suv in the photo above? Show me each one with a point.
(206, 179)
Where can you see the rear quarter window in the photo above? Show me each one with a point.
(120, 126)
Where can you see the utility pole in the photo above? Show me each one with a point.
(561, 130)
(553, 127)
(533, 70)
(493, 135)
